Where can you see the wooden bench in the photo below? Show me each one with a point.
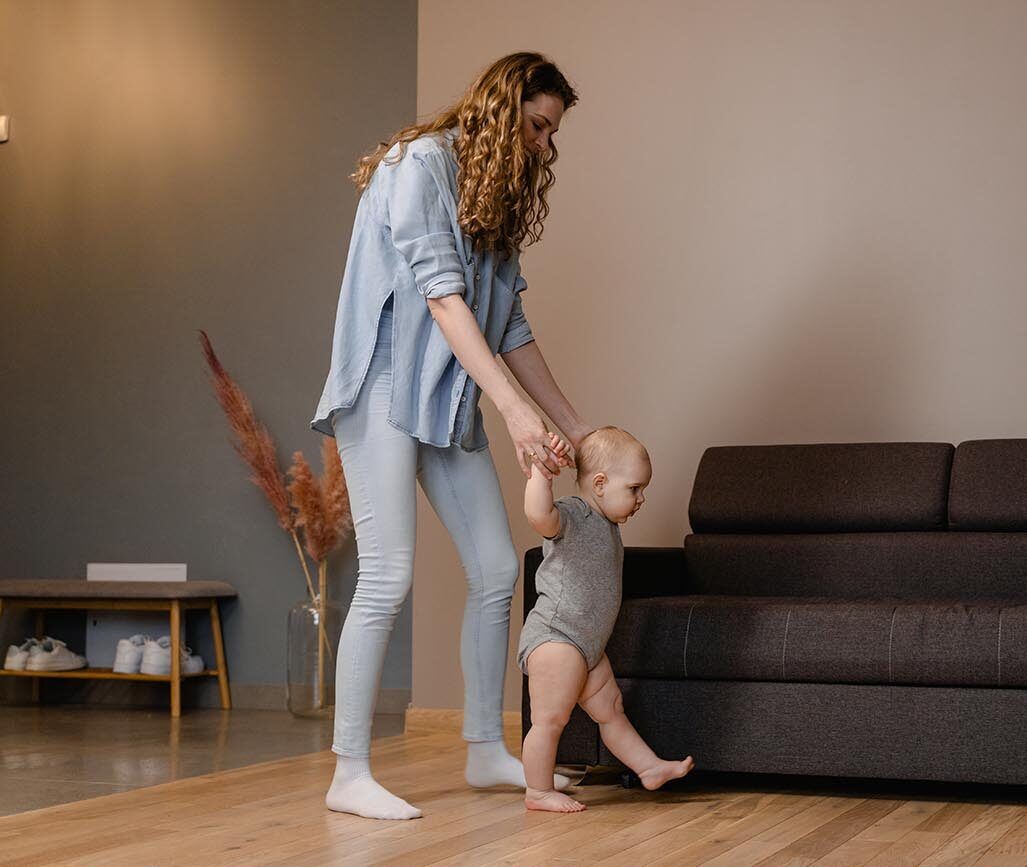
(175, 597)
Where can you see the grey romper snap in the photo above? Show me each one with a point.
(578, 584)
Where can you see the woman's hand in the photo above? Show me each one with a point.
(533, 444)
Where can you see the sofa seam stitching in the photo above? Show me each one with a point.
(1000, 612)
(891, 632)
(784, 644)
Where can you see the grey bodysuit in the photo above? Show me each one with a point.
(578, 584)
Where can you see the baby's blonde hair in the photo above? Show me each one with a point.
(603, 447)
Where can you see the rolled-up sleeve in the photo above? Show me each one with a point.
(518, 331)
(421, 228)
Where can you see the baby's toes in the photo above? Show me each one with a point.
(685, 766)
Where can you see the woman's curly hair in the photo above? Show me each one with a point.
(502, 185)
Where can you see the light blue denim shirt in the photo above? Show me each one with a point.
(406, 242)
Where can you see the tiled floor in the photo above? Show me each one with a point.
(55, 754)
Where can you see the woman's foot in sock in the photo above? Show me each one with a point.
(354, 790)
(489, 764)
(554, 802)
(657, 775)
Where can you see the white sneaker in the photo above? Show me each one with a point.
(17, 655)
(51, 654)
(129, 654)
(192, 663)
(157, 658)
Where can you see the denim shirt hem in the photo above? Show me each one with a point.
(323, 425)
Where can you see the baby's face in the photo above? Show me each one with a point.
(624, 491)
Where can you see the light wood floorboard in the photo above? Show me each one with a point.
(273, 814)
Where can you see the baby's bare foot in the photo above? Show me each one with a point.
(555, 802)
(659, 774)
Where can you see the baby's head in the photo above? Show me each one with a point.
(613, 470)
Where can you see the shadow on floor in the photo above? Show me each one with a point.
(910, 790)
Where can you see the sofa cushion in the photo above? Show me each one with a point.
(834, 730)
(823, 640)
(988, 490)
(910, 565)
(830, 487)
(648, 571)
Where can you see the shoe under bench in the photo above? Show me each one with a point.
(174, 597)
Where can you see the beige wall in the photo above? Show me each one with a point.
(773, 222)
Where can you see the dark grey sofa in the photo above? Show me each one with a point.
(854, 610)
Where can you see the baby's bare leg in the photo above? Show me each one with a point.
(556, 673)
(601, 699)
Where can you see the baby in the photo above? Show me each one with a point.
(579, 592)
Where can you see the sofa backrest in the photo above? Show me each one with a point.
(861, 519)
(989, 486)
(826, 488)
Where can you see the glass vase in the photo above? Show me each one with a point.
(313, 641)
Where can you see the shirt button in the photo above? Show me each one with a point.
(475, 307)
(476, 276)
(463, 399)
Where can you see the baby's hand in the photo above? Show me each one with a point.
(562, 449)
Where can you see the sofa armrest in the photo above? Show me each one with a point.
(648, 571)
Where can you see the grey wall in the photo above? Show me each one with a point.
(177, 165)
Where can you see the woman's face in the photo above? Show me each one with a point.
(542, 114)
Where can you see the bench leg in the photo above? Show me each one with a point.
(219, 651)
(176, 658)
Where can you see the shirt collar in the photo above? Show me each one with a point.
(450, 135)
(588, 508)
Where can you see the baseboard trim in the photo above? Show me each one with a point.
(449, 719)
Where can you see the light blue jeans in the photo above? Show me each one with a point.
(381, 464)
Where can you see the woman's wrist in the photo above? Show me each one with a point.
(576, 434)
(508, 401)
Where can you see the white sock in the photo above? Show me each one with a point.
(354, 790)
(489, 764)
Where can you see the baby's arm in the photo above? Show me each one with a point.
(538, 504)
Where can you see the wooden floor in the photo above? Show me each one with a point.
(273, 813)
(53, 754)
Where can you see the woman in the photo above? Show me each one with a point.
(431, 294)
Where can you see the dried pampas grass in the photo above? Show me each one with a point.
(336, 493)
(306, 494)
(322, 504)
(253, 442)
(320, 509)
